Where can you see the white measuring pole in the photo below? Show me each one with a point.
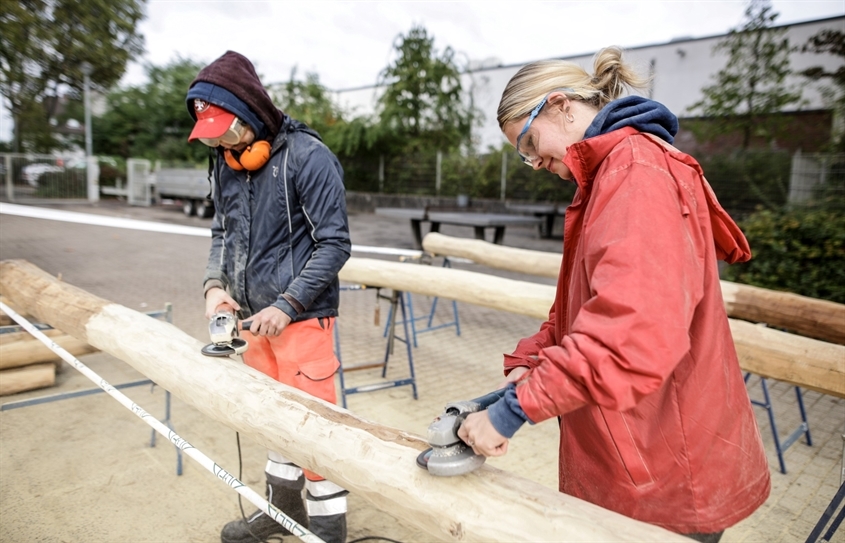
(288, 523)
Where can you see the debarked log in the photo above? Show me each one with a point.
(373, 461)
(31, 377)
(31, 351)
(810, 317)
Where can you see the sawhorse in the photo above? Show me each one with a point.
(803, 428)
(397, 304)
(166, 315)
(426, 259)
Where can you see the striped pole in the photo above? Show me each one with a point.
(267, 508)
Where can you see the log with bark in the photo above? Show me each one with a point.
(28, 350)
(810, 317)
(373, 461)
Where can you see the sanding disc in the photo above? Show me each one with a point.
(237, 346)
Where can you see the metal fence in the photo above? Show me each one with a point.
(743, 182)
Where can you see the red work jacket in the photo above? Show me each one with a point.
(637, 357)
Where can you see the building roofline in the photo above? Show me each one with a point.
(673, 41)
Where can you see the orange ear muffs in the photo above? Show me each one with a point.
(252, 158)
(231, 161)
(255, 156)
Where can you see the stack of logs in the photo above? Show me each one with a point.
(28, 364)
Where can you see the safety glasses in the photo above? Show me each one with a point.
(233, 135)
(528, 151)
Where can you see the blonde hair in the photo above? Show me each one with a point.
(534, 81)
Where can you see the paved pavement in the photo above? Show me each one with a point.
(82, 470)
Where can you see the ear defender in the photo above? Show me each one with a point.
(252, 158)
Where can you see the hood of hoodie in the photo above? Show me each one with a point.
(234, 73)
(639, 113)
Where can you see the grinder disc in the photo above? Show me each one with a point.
(236, 346)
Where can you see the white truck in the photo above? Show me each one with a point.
(189, 186)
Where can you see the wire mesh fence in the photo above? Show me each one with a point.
(743, 182)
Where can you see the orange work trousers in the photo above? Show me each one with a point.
(302, 356)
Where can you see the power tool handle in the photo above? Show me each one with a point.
(245, 325)
(489, 399)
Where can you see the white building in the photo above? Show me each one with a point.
(681, 68)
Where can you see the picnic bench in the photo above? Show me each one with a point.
(547, 212)
(478, 221)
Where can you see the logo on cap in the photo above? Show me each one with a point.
(200, 105)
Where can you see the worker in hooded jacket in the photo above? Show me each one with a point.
(280, 236)
(636, 359)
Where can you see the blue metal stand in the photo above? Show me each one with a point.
(397, 303)
(803, 428)
(167, 315)
(429, 318)
(835, 503)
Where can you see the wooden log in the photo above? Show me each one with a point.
(803, 315)
(810, 317)
(14, 337)
(373, 461)
(806, 362)
(31, 377)
(32, 351)
(481, 289)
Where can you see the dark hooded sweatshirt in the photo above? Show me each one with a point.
(280, 233)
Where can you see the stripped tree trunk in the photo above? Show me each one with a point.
(810, 317)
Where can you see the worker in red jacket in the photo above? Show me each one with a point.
(636, 358)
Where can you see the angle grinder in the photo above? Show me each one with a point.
(223, 329)
(449, 455)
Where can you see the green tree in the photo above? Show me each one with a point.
(43, 45)
(751, 89)
(151, 120)
(830, 42)
(310, 102)
(424, 106)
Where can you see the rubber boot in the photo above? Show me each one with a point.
(331, 528)
(285, 496)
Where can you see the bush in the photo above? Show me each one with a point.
(800, 250)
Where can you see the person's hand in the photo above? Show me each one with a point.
(217, 297)
(478, 432)
(270, 321)
(514, 376)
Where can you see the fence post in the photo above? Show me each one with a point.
(504, 173)
(92, 173)
(10, 190)
(381, 174)
(437, 173)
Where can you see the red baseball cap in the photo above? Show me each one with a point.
(212, 121)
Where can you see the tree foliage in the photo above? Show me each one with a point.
(151, 120)
(830, 42)
(751, 89)
(424, 104)
(43, 45)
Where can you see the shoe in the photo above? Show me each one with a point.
(285, 496)
(257, 527)
(331, 528)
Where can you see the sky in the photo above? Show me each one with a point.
(347, 43)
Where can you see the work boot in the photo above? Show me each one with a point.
(285, 496)
(331, 528)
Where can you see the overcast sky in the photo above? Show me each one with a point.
(348, 43)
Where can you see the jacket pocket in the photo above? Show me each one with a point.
(629, 454)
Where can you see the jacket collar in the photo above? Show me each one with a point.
(584, 158)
